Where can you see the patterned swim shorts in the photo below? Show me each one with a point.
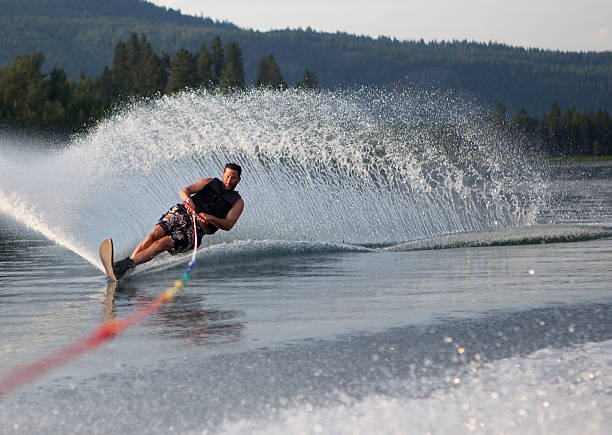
(177, 224)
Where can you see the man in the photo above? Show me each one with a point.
(215, 202)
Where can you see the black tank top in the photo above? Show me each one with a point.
(215, 200)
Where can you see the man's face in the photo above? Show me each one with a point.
(230, 179)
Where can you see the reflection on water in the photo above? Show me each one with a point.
(189, 322)
(580, 193)
(108, 303)
(185, 320)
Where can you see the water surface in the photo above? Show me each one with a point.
(362, 295)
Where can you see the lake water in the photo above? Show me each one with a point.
(325, 310)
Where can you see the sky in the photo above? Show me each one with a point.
(576, 25)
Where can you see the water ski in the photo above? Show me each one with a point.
(106, 255)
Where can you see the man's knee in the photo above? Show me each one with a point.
(157, 232)
(165, 243)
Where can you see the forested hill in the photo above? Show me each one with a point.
(138, 9)
(80, 36)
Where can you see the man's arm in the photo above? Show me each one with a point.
(231, 218)
(185, 193)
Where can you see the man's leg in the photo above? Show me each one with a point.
(155, 243)
(149, 253)
(156, 233)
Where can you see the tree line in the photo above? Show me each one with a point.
(558, 133)
(53, 101)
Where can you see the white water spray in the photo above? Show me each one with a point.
(357, 167)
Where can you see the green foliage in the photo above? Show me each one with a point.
(232, 74)
(85, 104)
(183, 72)
(153, 75)
(63, 9)
(121, 67)
(308, 82)
(28, 98)
(268, 74)
(21, 82)
(107, 86)
(204, 62)
(561, 133)
(58, 87)
(137, 70)
(80, 35)
(32, 98)
(218, 60)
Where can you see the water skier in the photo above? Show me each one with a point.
(215, 202)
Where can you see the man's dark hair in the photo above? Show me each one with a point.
(234, 167)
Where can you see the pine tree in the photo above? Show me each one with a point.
(232, 75)
(183, 71)
(58, 88)
(268, 74)
(308, 82)
(165, 61)
(152, 76)
(204, 62)
(106, 86)
(137, 70)
(552, 128)
(134, 84)
(85, 103)
(121, 67)
(602, 124)
(22, 85)
(217, 59)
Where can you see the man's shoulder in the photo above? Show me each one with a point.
(210, 181)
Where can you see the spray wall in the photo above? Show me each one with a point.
(361, 167)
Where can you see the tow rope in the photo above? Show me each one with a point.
(104, 332)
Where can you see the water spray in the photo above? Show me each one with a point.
(361, 166)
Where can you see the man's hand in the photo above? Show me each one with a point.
(189, 202)
(204, 217)
(230, 220)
